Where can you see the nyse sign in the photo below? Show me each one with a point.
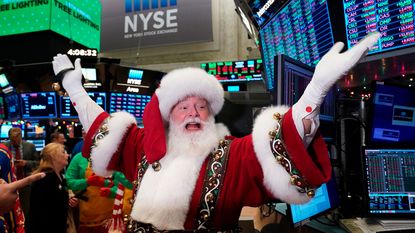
(158, 20)
(155, 22)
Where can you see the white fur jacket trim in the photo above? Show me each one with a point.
(276, 178)
(118, 124)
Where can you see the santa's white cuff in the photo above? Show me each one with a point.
(118, 125)
(302, 110)
(276, 178)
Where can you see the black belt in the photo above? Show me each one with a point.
(139, 227)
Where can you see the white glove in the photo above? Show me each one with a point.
(333, 65)
(72, 76)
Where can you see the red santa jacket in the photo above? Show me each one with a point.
(253, 176)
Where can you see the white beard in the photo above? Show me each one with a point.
(198, 143)
(164, 197)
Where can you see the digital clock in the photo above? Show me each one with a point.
(83, 52)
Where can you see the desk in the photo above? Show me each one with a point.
(362, 225)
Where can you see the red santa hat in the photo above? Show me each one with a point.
(174, 87)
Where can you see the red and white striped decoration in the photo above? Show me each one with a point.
(116, 224)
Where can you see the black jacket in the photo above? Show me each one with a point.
(49, 201)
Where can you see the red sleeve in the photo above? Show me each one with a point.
(88, 140)
(314, 162)
(129, 154)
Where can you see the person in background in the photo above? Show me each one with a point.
(25, 159)
(94, 209)
(13, 220)
(78, 146)
(9, 191)
(49, 199)
(189, 173)
(58, 137)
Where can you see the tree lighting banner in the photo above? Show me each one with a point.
(149, 23)
(78, 20)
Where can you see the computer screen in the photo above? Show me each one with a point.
(293, 78)
(39, 143)
(12, 106)
(136, 81)
(90, 74)
(7, 125)
(326, 198)
(392, 114)
(4, 131)
(262, 10)
(390, 181)
(394, 19)
(38, 105)
(3, 81)
(34, 130)
(235, 86)
(132, 103)
(235, 71)
(302, 30)
(68, 111)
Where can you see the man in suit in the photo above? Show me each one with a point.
(24, 158)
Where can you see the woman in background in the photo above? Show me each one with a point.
(49, 199)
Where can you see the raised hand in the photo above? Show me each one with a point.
(334, 65)
(71, 75)
(331, 68)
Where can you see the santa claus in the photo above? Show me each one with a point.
(189, 174)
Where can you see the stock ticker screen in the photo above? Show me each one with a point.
(301, 30)
(67, 110)
(390, 175)
(132, 103)
(261, 12)
(394, 19)
(234, 71)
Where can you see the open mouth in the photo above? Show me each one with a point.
(193, 126)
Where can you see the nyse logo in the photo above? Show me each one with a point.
(140, 5)
(150, 17)
(134, 81)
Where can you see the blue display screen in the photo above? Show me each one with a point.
(132, 103)
(263, 10)
(38, 105)
(3, 81)
(301, 30)
(233, 88)
(394, 19)
(4, 132)
(393, 114)
(68, 111)
(293, 78)
(326, 198)
(6, 126)
(12, 106)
